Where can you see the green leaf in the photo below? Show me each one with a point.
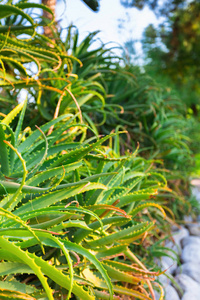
(25, 257)
(130, 232)
(4, 159)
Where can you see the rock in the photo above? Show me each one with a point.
(191, 269)
(191, 253)
(175, 245)
(179, 235)
(190, 296)
(190, 240)
(194, 229)
(171, 293)
(188, 219)
(168, 264)
(196, 192)
(187, 284)
(164, 280)
(157, 295)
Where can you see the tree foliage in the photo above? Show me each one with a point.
(93, 4)
(173, 50)
(164, 8)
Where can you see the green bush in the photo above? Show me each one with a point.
(74, 204)
(69, 212)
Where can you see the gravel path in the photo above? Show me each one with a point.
(183, 280)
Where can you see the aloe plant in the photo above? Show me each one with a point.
(68, 213)
(71, 206)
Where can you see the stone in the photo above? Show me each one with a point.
(196, 192)
(168, 264)
(175, 245)
(171, 293)
(179, 235)
(191, 253)
(190, 240)
(191, 269)
(188, 219)
(164, 280)
(157, 295)
(194, 229)
(187, 284)
(190, 296)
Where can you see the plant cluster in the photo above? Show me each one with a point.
(71, 211)
(80, 209)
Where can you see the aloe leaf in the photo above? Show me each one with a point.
(20, 121)
(91, 258)
(133, 197)
(17, 192)
(53, 138)
(56, 196)
(108, 208)
(98, 194)
(24, 5)
(60, 227)
(45, 217)
(39, 266)
(17, 286)
(69, 261)
(24, 256)
(130, 292)
(36, 167)
(16, 28)
(104, 295)
(142, 206)
(117, 221)
(6, 294)
(117, 289)
(25, 145)
(61, 279)
(39, 178)
(133, 231)
(9, 215)
(47, 240)
(15, 64)
(12, 187)
(4, 158)
(8, 10)
(54, 210)
(130, 268)
(11, 153)
(121, 275)
(78, 154)
(8, 119)
(7, 268)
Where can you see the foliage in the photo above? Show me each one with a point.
(57, 87)
(160, 8)
(174, 48)
(93, 4)
(101, 78)
(50, 184)
(74, 204)
(152, 115)
(21, 56)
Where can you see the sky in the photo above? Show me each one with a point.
(106, 20)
